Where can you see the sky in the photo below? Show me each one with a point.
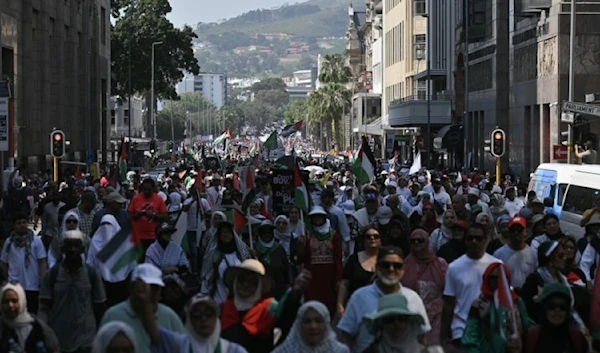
(193, 11)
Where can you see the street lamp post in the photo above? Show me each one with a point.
(571, 78)
(428, 89)
(152, 117)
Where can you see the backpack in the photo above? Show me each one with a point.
(533, 334)
(54, 274)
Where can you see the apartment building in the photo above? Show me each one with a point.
(212, 85)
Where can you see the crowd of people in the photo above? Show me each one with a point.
(423, 263)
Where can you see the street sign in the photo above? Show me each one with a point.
(582, 108)
(559, 152)
(567, 117)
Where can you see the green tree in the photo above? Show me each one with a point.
(138, 24)
(335, 70)
(272, 83)
(190, 108)
(296, 110)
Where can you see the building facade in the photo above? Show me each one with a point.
(518, 74)
(120, 117)
(56, 56)
(212, 85)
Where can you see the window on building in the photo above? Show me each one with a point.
(103, 21)
(113, 114)
(421, 89)
(126, 116)
(419, 46)
(420, 7)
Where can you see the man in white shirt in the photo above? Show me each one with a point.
(513, 204)
(519, 257)
(463, 284)
(23, 259)
(363, 301)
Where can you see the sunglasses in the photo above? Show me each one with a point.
(557, 306)
(393, 318)
(393, 265)
(417, 241)
(372, 236)
(516, 229)
(427, 209)
(475, 238)
(72, 221)
(203, 314)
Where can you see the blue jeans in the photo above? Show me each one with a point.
(193, 250)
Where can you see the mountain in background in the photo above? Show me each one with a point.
(273, 42)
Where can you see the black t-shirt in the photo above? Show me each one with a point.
(356, 274)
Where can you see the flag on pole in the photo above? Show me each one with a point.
(416, 166)
(503, 300)
(301, 199)
(122, 163)
(200, 181)
(271, 142)
(223, 137)
(291, 129)
(364, 164)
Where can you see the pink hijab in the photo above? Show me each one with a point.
(422, 265)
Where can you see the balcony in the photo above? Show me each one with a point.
(412, 111)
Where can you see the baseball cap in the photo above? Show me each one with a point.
(389, 250)
(517, 220)
(149, 274)
(115, 197)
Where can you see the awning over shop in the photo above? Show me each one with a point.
(375, 127)
(449, 137)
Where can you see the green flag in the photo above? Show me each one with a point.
(271, 142)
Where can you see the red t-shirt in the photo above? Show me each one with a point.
(143, 228)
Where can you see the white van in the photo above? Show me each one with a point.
(579, 196)
(551, 180)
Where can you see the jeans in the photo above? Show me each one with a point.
(193, 250)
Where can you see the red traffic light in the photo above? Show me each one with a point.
(57, 136)
(498, 135)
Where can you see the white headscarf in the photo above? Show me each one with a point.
(108, 332)
(294, 342)
(245, 304)
(23, 323)
(200, 344)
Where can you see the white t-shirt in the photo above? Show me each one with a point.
(28, 276)
(513, 207)
(521, 263)
(463, 282)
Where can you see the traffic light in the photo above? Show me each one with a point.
(170, 146)
(152, 147)
(57, 143)
(498, 147)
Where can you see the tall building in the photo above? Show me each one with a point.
(56, 56)
(120, 117)
(212, 85)
(518, 76)
(407, 104)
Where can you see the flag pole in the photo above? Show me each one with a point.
(250, 232)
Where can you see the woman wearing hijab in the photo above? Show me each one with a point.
(226, 249)
(425, 273)
(204, 328)
(429, 218)
(21, 331)
(216, 219)
(490, 326)
(115, 336)
(312, 332)
(249, 316)
(286, 237)
(443, 234)
(273, 256)
(395, 327)
(69, 222)
(320, 251)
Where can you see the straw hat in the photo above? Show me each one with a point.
(249, 265)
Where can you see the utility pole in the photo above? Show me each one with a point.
(130, 91)
(571, 78)
(152, 116)
(466, 121)
(428, 89)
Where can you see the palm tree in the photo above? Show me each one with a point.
(333, 98)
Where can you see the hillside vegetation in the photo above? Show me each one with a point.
(273, 41)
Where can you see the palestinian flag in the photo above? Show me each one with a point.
(200, 180)
(122, 164)
(291, 129)
(364, 164)
(121, 250)
(271, 142)
(224, 136)
(505, 304)
(301, 199)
